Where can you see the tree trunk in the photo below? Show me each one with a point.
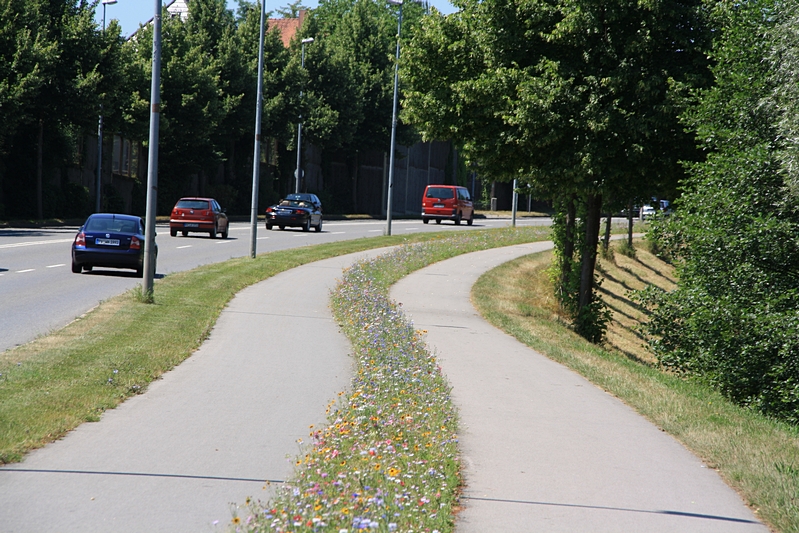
(39, 209)
(568, 245)
(606, 241)
(592, 223)
(630, 223)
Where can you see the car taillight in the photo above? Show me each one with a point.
(80, 240)
(269, 210)
(299, 212)
(135, 243)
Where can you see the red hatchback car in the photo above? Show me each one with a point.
(202, 215)
(447, 202)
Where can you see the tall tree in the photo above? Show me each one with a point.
(580, 96)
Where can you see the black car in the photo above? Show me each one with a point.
(109, 240)
(301, 210)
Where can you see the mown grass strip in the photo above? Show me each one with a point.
(756, 456)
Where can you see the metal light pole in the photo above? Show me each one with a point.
(256, 158)
(152, 160)
(98, 186)
(393, 121)
(299, 125)
(515, 201)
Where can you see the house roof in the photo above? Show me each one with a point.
(287, 27)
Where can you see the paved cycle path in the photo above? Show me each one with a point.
(544, 449)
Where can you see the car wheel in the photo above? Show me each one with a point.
(425, 220)
(76, 268)
(213, 233)
(438, 221)
(224, 233)
(185, 233)
(140, 272)
(268, 226)
(307, 225)
(318, 227)
(281, 226)
(471, 219)
(458, 219)
(173, 232)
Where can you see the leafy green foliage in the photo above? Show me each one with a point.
(734, 318)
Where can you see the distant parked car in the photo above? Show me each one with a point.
(109, 240)
(198, 215)
(300, 210)
(447, 202)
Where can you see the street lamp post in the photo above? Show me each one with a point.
(152, 159)
(299, 125)
(256, 158)
(98, 186)
(393, 121)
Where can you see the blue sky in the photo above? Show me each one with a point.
(131, 13)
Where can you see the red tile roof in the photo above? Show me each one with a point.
(287, 27)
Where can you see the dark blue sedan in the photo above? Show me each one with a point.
(111, 241)
(299, 210)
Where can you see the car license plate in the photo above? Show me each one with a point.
(284, 212)
(107, 242)
(438, 205)
(190, 225)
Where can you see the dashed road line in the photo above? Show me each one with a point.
(33, 243)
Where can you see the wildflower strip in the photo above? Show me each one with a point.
(388, 460)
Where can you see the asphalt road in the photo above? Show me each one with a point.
(39, 293)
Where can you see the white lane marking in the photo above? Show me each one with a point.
(261, 238)
(184, 246)
(26, 270)
(223, 242)
(55, 266)
(374, 231)
(410, 229)
(338, 232)
(34, 243)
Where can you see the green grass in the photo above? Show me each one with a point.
(758, 457)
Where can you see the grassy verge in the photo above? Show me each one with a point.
(55, 383)
(758, 457)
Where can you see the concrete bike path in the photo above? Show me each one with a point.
(543, 449)
(206, 435)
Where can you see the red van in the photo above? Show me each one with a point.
(447, 202)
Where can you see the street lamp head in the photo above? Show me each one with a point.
(109, 2)
(395, 2)
(308, 40)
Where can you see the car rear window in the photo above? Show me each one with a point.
(440, 192)
(114, 225)
(192, 204)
